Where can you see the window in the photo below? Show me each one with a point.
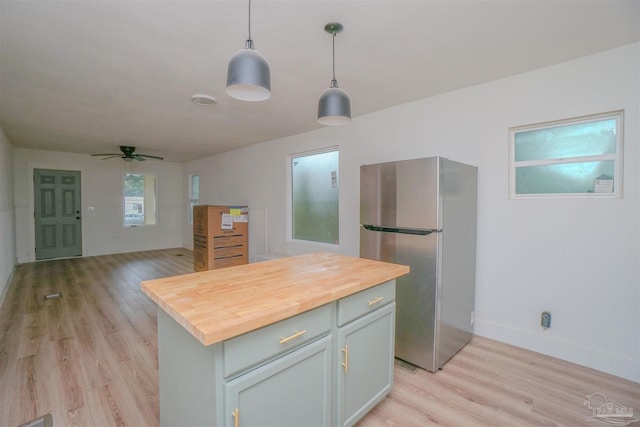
(194, 195)
(314, 201)
(139, 199)
(579, 157)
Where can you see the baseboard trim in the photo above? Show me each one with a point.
(586, 356)
(3, 294)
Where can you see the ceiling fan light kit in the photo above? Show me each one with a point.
(248, 74)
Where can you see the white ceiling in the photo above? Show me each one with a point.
(88, 76)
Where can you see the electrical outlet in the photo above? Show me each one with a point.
(545, 319)
(472, 318)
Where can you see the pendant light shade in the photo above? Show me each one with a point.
(248, 75)
(334, 106)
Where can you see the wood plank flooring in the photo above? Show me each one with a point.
(90, 359)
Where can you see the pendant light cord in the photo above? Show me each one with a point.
(249, 43)
(334, 82)
(249, 19)
(334, 55)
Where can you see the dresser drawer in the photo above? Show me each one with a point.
(357, 305)
(259, 346)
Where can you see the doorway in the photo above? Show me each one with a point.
(58, 223)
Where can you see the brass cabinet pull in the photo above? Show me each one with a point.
(296, 335)
(345, 365)
(375, 301)
(236, 417)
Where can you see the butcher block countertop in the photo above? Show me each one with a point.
(220, 304)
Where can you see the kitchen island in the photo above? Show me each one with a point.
(299, 341)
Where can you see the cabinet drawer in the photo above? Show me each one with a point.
(363, 302)
(259, 346)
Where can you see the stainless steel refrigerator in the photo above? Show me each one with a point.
(422, 213)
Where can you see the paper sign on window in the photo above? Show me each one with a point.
(603, 186)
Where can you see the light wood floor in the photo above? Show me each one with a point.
(90, 359)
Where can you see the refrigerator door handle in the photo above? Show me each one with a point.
(402, 230)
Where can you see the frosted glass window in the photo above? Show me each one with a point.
(314, 185)
(561, 178)
(585, 139)
(577, 157)
(139, 199)
(195, 187)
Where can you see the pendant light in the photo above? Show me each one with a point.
(248, 75)
(334, 107)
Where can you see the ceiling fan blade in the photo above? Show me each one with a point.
(128, 153)
(150, 157)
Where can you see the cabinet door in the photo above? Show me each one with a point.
(365, 355)
(292, 391)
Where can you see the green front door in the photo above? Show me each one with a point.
(57, 213)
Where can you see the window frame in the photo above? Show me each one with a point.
(617, 157)
(155, 200)
(289, 177)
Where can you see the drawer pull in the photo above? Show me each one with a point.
(296, 335)
(374, 301)
(236, 417)
(345, 365)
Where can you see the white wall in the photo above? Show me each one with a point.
(577, 258)
(7, 220)
(102, 181)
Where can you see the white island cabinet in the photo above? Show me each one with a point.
(325, 360)
(365, 345)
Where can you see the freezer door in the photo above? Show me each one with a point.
(416, 292)
(401, 194)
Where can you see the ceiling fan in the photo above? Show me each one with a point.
(129, 154)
